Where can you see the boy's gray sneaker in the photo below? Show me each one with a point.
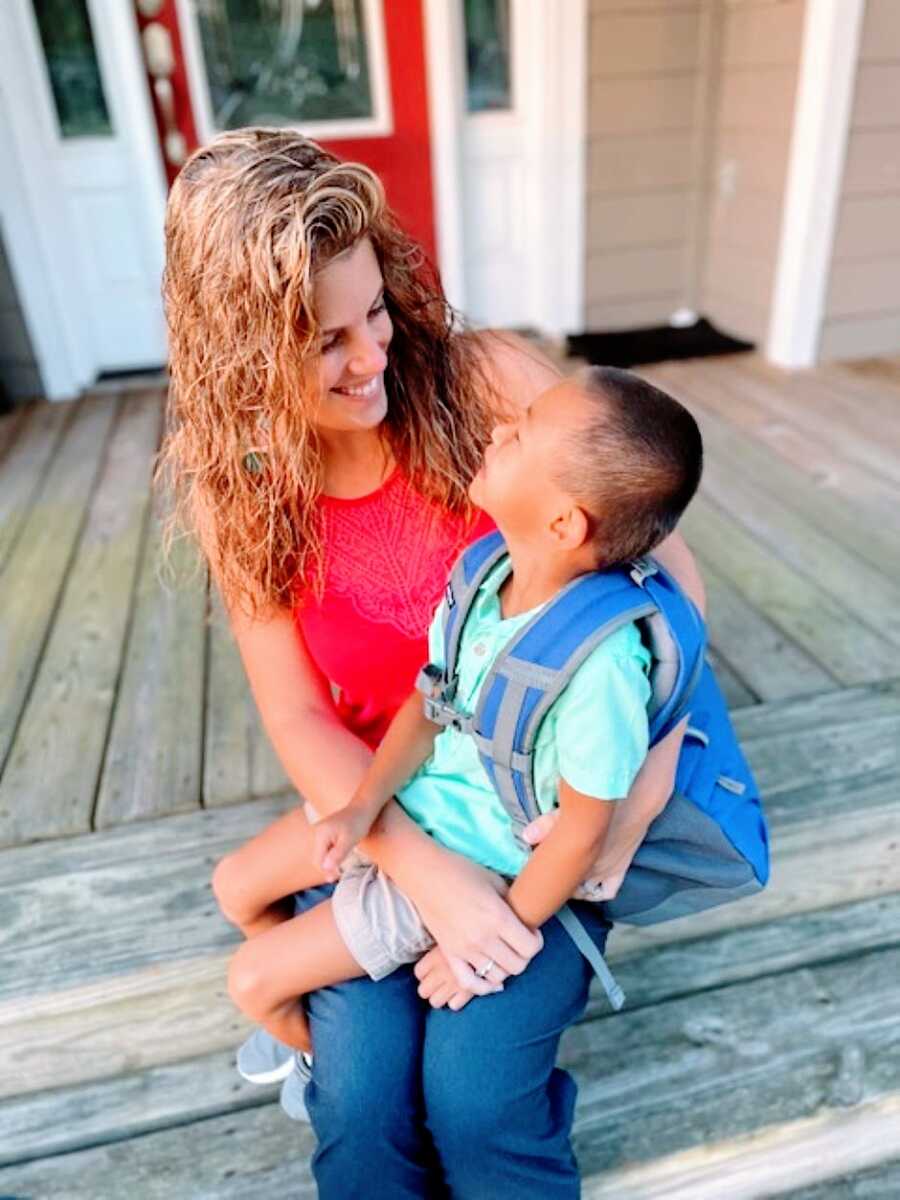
(263, 1059)
(294, 1088)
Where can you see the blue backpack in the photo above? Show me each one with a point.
(709, 845)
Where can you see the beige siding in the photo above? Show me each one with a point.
(750, 123)
(645, 74)
(690, 112)
(862, 304)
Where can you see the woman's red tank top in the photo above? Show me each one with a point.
(387, 558)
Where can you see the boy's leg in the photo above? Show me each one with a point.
(252, 883)
(272, 970)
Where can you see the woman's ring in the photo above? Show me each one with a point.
(487, 967)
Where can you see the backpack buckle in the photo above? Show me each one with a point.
(430, 682)
(641, 569)
(438, 694)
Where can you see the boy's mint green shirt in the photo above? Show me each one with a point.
(595, 736)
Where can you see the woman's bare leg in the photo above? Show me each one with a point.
(273, 969)
(251, 883)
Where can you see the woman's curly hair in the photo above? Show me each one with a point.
(251, 218)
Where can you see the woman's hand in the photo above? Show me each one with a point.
(464, 910)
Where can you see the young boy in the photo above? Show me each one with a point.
(595, 473)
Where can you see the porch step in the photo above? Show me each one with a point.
(744, 1091)
(750, 1035)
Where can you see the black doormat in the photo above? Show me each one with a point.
(631, 347)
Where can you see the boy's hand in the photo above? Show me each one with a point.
(335, 836)
(438, 984)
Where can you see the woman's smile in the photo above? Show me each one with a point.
(362, 391)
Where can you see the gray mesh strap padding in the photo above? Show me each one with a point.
(664, 671)
(502, 754)
(464, 593)
(518, 762)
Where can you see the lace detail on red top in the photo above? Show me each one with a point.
(389, 553)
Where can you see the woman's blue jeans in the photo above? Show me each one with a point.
(409, 1101)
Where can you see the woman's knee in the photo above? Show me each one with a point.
(248, 983)
(229, 885)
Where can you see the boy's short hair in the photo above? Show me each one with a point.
(634, 466)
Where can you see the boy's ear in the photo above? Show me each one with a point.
(571, 528)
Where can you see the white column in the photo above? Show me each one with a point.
(815, 171)
(445, 66)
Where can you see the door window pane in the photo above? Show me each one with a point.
(488, 55)
(282, 62)
(65, 30)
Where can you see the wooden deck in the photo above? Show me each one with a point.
(759, 1053)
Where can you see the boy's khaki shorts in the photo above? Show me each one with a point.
(381, 928)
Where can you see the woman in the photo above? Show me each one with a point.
(326, 421)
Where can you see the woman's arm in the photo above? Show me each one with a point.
(675, 556)
(460, 902)
(517, 371)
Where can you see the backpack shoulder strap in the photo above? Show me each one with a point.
(469, 572)
(677, 636)
(438, 684)
(533, 669)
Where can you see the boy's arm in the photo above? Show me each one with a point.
(633, 816)
(407, 743)
(563, 858)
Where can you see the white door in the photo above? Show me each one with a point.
(495, 164)
(92, 190)
(523, 162)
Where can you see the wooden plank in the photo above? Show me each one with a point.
(153, 762)
(863, 389)
(804, 613)
(116, 1025)
(773, 1064)
(24, 466)
(251, 1155)
(880, 1183)
(812, 406)
(861, 588)
(239, 761)
(856, 708)
(666, 972)
(57, 752)
(196, 833)
(62, 1120)
(769, 1163)
(36, 568)
(715, 1066)
(846, 394)
(841, 518)
(765, 658)
(115, 1108)
(735, 691)
(818, 456)
(67, 928)
(132, 940)
(80, 896)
